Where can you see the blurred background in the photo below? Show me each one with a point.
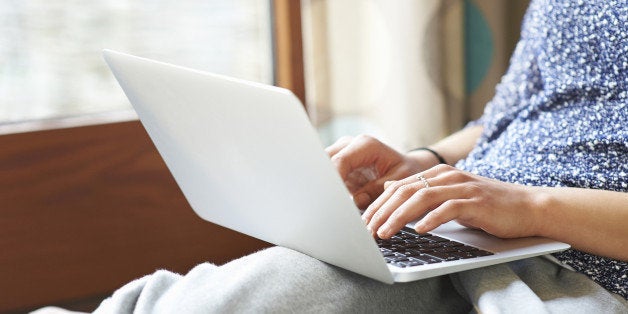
(51, 64)
(86, 203)
(407, 71)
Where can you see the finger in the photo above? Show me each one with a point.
(388, 183)
(341, 143)
(447, 211)
(400, 196)
(374, 188)
(358, 180)
(435, 176)
(417, 205)
(357, 154)
(383, 198)
(439, 171)
(375, 205)
(369, 192)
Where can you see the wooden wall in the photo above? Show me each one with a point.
(84, 210)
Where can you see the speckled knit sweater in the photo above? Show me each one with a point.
(560, 114)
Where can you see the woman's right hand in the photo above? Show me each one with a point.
(365, 164)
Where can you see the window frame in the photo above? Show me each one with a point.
(288, 46)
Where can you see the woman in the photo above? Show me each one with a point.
(549, 157)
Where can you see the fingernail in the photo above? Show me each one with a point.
(420, 227)
(362, 199)
(383, 231)
(370, 230)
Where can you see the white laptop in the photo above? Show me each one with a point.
(247, 158)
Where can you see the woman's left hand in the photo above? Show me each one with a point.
(503, 209)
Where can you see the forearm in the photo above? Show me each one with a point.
(454, 147)
(593, 221)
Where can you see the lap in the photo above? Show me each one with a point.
(282, 280)
(535, 285)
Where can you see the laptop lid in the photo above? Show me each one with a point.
(247, 158)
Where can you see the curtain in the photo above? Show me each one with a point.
(407, 71)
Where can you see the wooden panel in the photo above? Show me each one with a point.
(84, 210)
(288, 41)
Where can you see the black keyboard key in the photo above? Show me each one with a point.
(399, 264)
(471, 254)
(408, 264)
(411, 253)
(411, 231)
(415, 263)
(467, 248)
(481, 253)
(463, 255)
(420, 251)
(390, 259)
(437, 239)
(431, 245)
(412, 245)
(445, 249)
(427, 259)
(425, 250)
(452, 244)
(406, 236)
(444, 256)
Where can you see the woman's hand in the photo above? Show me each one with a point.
(364, 163)
(503, 209)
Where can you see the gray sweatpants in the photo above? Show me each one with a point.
(281, 280)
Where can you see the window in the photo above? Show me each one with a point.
(50, 51)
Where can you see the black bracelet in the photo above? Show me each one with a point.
(437, 155)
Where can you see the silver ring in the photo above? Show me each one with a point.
(424, 180)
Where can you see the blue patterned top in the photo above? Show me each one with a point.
(560, 114)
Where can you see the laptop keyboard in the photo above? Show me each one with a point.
(408, 248)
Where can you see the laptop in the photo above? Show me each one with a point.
(247, 158)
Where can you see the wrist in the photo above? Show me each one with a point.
(424, 159)
(436, 155)
(541, 203)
